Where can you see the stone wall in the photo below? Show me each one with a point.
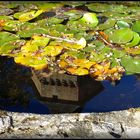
(117, 124)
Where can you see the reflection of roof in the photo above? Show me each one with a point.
(66, 89)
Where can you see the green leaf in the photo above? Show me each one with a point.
(31, 32)
(54, 20)
(90, 18)
(8, 47)
(122, 24)
(89, 48)
(46, 6)
(108, 24)
(98, 7)
(26, 16)
(136, 26)
(121, 36)
(6, 37)
(73, 14)
(131, 64)
(118, 53)
(6, 17)
(37, 42)
(135, 41)
(12, 25)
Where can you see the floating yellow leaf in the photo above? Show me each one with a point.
(62, 64)
(103, 72)
(52, 50)
(34, 62)
(77, 71)
(29, 15)
(134, 51)
(83, 63)
(34, 45)
(73, 45)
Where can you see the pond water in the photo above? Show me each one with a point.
(19, 94)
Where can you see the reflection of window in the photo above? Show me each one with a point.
(71, 83)
(55, 97)
(58, 82)
(52, 82)
(44, 81)
(64, 83)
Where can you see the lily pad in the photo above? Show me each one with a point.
(96, 7)
(30, 61)
(6, 17)
(121, 36)
(90, 18)
(48, 6)
(73, 14)
(77, 71)
(6, 37)
(133, 50)
(52, 50)
(108, 24)
(131, 64)
(136, 26)
(83, 63)
(135, 41)
(12, 25)
(118, 53)
(122, 24)
(8, 47)
(37, 43)
(31, 32)
(26, 16)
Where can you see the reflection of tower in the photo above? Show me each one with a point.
(65, 93)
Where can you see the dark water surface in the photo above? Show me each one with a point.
(19, 94)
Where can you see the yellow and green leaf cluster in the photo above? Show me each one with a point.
(79, 38)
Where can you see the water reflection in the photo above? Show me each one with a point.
(69, 94)
(16, 94)
(122, 96)
(19, 93)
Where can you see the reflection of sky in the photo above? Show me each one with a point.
(123, 96)
(33, 107)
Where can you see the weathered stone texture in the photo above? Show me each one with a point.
(117, 124)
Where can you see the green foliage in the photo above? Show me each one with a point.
(79, 38)
(121, 36)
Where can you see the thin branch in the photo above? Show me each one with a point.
(59, 38)
(108, 43)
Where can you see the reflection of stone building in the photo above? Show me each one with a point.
(65, 93)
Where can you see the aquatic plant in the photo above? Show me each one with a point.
(78, 38)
